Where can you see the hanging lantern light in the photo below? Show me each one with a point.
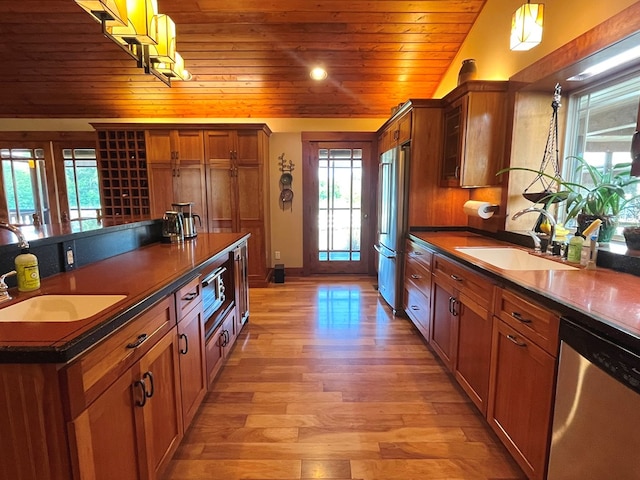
(526, 26)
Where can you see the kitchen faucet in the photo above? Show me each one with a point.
(17, 233)
(536, 239)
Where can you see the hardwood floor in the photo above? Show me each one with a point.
(324, 383)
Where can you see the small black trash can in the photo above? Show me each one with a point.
(278, 273)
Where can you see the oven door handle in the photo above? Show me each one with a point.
(216, 273)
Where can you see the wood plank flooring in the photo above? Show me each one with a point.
(324, 383)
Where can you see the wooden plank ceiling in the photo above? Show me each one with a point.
(249, 58)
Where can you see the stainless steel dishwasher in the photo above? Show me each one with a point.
(596, 421)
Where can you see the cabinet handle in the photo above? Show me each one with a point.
(456, 278)
(415, 308)
(186, 343)
(223, 339)
(149, 393)
(454, 312)
(190, 296)
(451, 305)
(415, 276)
(228, 338)
(417, 254)
(139, 341)
(515, 340)
(456, 174)
(518, 316)
(143, 402)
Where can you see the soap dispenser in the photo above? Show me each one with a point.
(28, 273)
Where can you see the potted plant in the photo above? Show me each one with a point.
(604, 197)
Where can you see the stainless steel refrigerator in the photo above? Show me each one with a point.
(392, 223)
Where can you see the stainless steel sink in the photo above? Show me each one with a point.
(510, 258)
(57, 308)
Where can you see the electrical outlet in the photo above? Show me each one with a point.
(68, 255)
(277, 254)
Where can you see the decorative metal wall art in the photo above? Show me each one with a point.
(286, 179)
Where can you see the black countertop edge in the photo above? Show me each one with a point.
(613, 332)
(67, 352)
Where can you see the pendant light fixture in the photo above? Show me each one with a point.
(526, 26)
(145, 34)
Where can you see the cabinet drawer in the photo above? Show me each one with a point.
(89, 375)
(419, 254)
(417, 307)
(475, 286)
(418, 276)
(188, 297)
(537, 323)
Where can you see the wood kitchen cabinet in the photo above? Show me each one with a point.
(462, 324)
(131, 430)
(175, 160)
(238, 190)
(220, 343)
(417, 286)
(395, 133)
(193, 370)
(523, 371)
(122, 171)
(474, 134)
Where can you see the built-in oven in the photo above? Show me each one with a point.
(596, 418)
(213, 292)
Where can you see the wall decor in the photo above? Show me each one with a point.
(286, 179)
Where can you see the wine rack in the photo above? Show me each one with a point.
(123, 175)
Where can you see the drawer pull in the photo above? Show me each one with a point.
(139, 341)
(415, 308)
(186, 343)
(515, 340)
(417, 254)
(190, 296)
(143, 402)
(456, 278)
(518, 316)
(415, 276)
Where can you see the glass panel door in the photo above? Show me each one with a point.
(339, 204)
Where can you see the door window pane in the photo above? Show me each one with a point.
(83, 188)
(339, 204)
(25, 185)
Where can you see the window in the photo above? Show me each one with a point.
(25, 185)
(83, 188)
(602, 120)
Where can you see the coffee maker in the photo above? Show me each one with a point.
(188, 218)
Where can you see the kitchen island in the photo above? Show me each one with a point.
(110, 396)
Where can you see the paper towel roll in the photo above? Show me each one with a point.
(475, 208)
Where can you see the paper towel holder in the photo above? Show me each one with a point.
(493, 208)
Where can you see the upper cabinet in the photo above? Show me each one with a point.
(176, 169)
(396, 132)
(474, 134)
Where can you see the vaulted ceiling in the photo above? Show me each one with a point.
(249, 58)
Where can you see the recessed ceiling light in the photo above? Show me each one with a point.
(318, 73)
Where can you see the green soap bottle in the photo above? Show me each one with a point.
(28, 273)
(575, 248)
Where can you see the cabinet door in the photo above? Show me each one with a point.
(107, 440)
(215, 353)
(474, 350)
(220, 145)
(193, 373)
(159, 146)
(453, 143)
(162, 411)
(248, 148)
(188, 145)
(520, 397)
(443, 323)
(221, 198)
(190, 186)
(161, 178)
